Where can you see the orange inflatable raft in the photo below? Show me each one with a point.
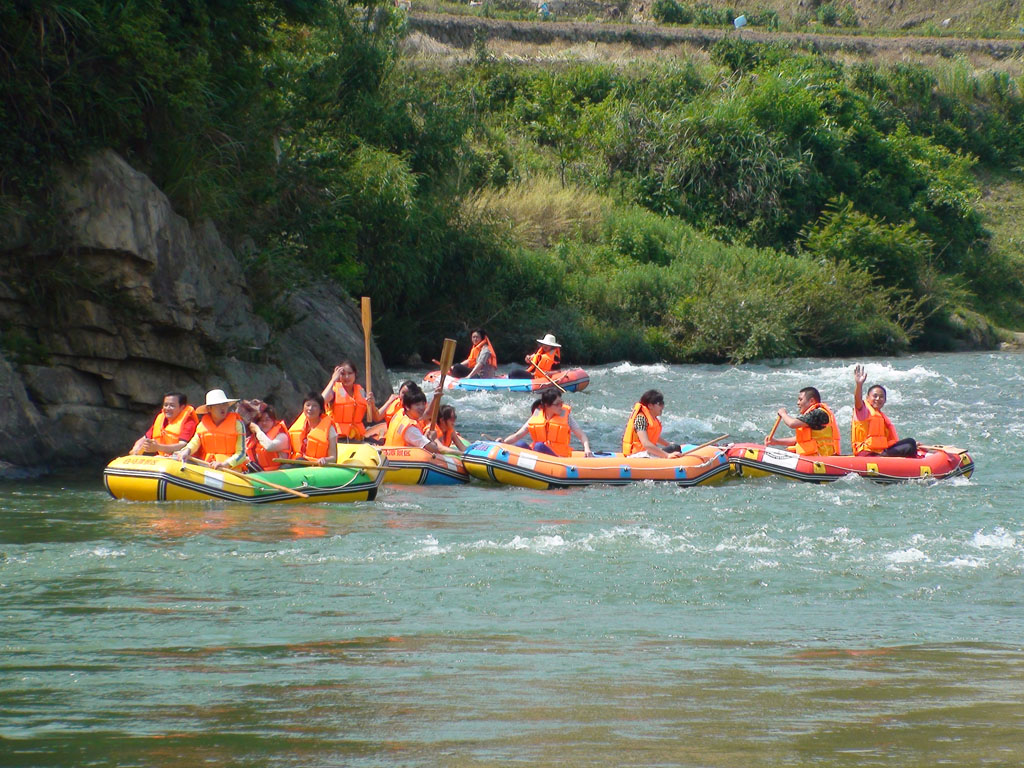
(512, 465)
(934, 463)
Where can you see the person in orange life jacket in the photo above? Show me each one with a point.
(220, 437)
(872, 431)
(817, 433)
(482, 363)
(394, 402)
(172, 428)
(405, 430)
(549, 428)
(547, 358)
(642, 438)
(268, 440)
(312, 435)
(447, 439)
(347, 405)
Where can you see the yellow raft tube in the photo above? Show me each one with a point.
(160, 478)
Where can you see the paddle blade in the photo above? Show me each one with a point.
(367, 324)
(447, 356)
(367, 316)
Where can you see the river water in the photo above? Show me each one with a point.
(753, 623)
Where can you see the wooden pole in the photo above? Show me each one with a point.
(704, 445)
(252, 479)
(369, 467)
(545, 375)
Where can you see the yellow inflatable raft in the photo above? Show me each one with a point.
(160, 478)
(415, 466)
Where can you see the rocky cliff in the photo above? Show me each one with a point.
(137, 302)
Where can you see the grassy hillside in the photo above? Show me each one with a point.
(724, 201)
(963, 18)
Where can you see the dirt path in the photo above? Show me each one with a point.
(460, 31)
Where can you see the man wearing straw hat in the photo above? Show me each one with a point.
(220, 438)
(547, 358)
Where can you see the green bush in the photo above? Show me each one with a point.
(706, 15)
(671, 12)
(894, 254)
(828, 14)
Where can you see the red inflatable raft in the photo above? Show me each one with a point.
(934, 463)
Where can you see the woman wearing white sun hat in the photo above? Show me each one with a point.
(547, 358)
(220, 437)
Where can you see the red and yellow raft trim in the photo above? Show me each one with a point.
(415, 466)
(936, 463)
(512, 465)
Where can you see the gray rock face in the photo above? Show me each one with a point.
(167, 308)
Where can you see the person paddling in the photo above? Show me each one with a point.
(347, 404)
(172, 428)
(447, 439)
(817, 433)
(220, 437)
(642, 438)
(550, 428)
(546, 359)
(872, 431)
(482, 363)
(405, 429)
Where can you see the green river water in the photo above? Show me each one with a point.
(753, 623)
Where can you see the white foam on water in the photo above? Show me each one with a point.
(755, 543)
(909, 555)
(101, 552)
(1000, 538)
(656, 368)
(967, 562)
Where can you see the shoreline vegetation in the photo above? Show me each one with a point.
(721, 202)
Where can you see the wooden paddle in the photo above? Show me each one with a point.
(307, 463)
(704, 445)
(545, 375)
(447, 356)
(943, 448)
(367, 323)
(252, 479)
(778, 420)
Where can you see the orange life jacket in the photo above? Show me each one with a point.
(397, 429)
(310, 443)
(218, 442)
(348, 412)
(818, 442)
(265, 459)
(474, 353)
(445, 437)
(392, 409)
(553, 432)
(872, 435)
(630, 439)
(169, 433)
(541, 361)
